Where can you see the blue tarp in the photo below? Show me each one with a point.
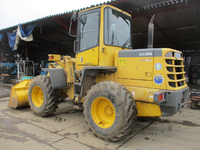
(11, 39)
(7, 64)
(25, 32)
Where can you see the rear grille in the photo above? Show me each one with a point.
(175, 69)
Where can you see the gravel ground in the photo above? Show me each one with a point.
(66, 129)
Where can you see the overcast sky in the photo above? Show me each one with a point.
(13, 12)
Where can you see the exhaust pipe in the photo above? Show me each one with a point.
(151, 32)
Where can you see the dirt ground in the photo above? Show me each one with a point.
(66, 129)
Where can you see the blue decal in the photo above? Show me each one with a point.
(158, 66)
(158, 79)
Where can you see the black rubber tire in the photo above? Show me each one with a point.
(50, 98)
(125, 110)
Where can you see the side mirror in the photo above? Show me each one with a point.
(83, 19)
(74, 19)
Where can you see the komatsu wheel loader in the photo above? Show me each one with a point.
(114, 83)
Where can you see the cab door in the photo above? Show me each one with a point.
(88, 37)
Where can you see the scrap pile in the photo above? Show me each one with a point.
(195, 99)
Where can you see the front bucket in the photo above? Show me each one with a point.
(19, 94)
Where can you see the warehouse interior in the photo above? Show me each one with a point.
(177, 26)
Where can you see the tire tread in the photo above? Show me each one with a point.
(127, 104)
(51, 95)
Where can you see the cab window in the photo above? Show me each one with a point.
(117, 28)
(89, 30)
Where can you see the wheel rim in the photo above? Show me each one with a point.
(103, 112)
(37, 96)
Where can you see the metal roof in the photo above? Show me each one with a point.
(131, 6)
(176, 26)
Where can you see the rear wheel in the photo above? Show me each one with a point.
(110, 111)
(43, 98)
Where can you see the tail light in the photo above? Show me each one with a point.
(51, 57)
(161, 97)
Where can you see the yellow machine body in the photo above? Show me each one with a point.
(136, 73)
(144, 72)
(19, 94)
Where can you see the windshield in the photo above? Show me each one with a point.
(117, 28)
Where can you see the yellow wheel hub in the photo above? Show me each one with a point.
(103, 112)
(37, 96)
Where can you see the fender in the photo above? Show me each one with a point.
(58, 77)
(88, 76)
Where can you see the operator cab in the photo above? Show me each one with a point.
(101, 32)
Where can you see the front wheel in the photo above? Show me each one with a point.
(110, 111)
(42, 97)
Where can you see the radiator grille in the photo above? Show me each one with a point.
(175, 69)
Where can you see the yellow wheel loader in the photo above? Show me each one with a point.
(114, 83)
